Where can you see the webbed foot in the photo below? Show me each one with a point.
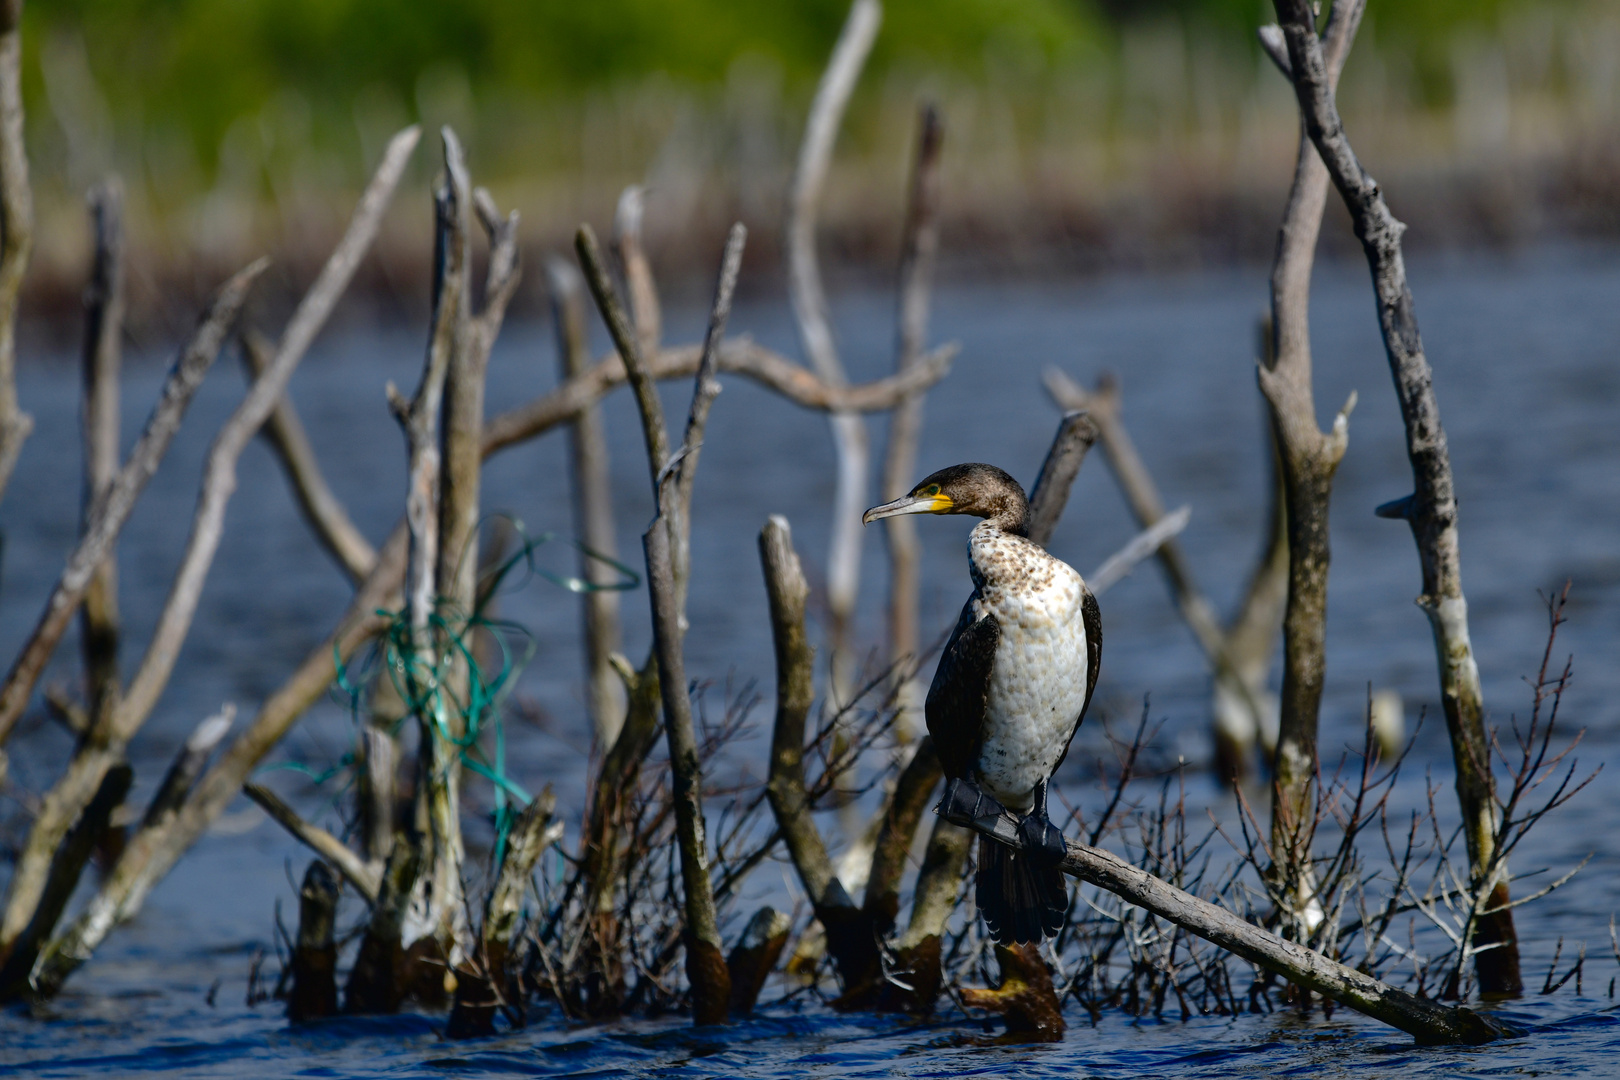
(965, 799)
(1042, 839)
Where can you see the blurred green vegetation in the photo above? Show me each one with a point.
(193, 67)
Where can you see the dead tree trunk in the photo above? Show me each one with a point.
(435, 919)
(1309, 459)
(314, 959)
(666, 545)
(1431, 509)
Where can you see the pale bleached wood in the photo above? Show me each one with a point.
(809, 301)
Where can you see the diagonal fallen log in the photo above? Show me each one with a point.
(1424, 1020)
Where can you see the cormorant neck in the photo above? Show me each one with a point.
(1010, 513)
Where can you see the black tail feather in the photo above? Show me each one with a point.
(1021, 900)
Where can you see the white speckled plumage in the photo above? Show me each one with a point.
(1038, 685)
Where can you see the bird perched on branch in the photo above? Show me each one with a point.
(1010, 691)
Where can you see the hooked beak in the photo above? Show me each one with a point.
(909, 504)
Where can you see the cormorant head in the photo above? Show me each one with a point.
(979, 490)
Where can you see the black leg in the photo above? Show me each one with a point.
(1044, 840)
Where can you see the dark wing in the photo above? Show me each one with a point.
(1091, 617)
(955, 707)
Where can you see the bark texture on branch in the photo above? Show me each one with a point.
(1421, 1018)
(1309, 458)
(436, 919)
(850, 940)
(1431, 510)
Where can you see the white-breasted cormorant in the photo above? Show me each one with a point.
(1011, 688)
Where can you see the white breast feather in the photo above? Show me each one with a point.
(1038, 684)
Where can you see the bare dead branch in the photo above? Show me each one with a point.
(1075, 436)
(1424, 1020)
(110, 513)
(157, 846)
(1431, 510)
(321, 506)
(739, 356)
(1309, 459)
(919, 244)
(593, 509)
(188, 764)
(809, 301)
(103, 357)
(364, 877)
(638, 279)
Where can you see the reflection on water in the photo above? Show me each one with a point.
(1527, 380)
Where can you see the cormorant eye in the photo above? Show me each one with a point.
(931, 489)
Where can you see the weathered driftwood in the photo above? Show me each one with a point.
(1239, 679)
(739, 356)
(809, 301)
(366, 878)
(320, 505)
(154, 849)
(105, 744)
(1431, 510)
(375, 792)
(850, 938)
(481, 984)
(110, 513)
(67, 865)
(1425, 1020)
(102, 747)
(378, 980)
(103, 357)
(435, 918)
(1076, 434)
(16, 234)
(314, 958)
(188, 764)
(754, 957)
(592, 485)
(1309, 459)
(919, 243)
(1026, 999)
(916, 975)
